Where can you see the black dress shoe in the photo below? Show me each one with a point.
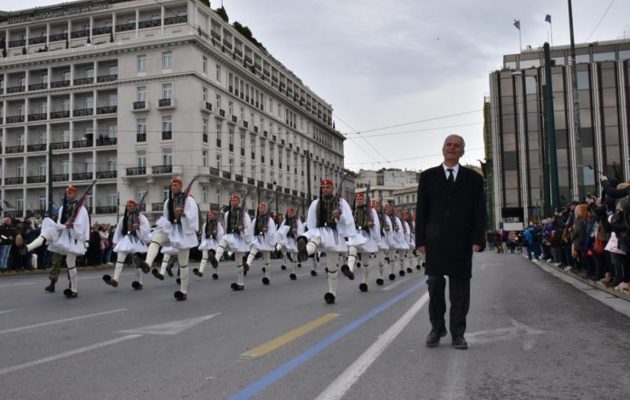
(433, 338)
(460, 343)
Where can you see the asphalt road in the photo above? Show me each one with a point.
(531, 336)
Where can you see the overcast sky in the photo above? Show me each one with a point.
(383, 63)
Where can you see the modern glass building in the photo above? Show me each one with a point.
(518, 125)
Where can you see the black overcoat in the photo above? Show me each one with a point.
(450, 218)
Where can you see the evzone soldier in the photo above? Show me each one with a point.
(407, 255)
(367, 225)
(390, 254)
(236, 239)
(263, 240)
(401, 237)
(132, 233)
(67, 236)
(417, 256)
(178, 228)
(386, 234)
(288, 232)
(329, 223)
(211, 232)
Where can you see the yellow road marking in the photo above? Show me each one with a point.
(288, 337)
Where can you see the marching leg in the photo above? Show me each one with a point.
(182, 258)
(380, 259)
(33, 245)
(72, 292)
(348, 269)
(215, 256)
(295, 266)
(202, 264)
(160, 274)
(391, 260)
(400, 259)
(365, 267)
(315, 263)
(331, 270)
(240, 272)
(251, 256)
(159, 239)
(137, 284)
(120, 260)
(266, 280)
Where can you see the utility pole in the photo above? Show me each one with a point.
(576, 112)
(551, 163)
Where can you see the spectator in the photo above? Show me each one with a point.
(7, 238)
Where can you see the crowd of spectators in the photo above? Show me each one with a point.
(589, 238)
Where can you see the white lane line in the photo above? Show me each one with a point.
(67, 354)
(338, 388)
(59, 321)
(16, 284)
(7, 311)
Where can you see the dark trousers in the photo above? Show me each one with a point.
(459, 296)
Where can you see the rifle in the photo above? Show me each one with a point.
(368, 202)
(75, 213)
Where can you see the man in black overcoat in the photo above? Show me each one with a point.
(450, 226)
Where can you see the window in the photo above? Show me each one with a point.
(231, 165)
(167, 156)
(41, 168)
(204, 93)
(166, 190)
(219, 162)
(204, 130)
(218, 73)
(111, 164)
(219, 134)
(112, 199)
(141, 63)
(230, 108)
(141, 130)
(167, 90)
(204, 158)
(167, 60)
(204, 64)
(43, 202)
(231, 139)
(218, 102)
(65, 167)
(167, 127)
(141, 156)
(141, 93)
(89, 73)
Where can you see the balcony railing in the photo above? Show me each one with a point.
(37, 117)
(60, 145)
(82, 112)
(140, 105)
(149, 23)
(36, 179)
(126, 27)
(106, 174)
(238, 178)
(234, 119)
(57, 37)
(77, 144)
(16, 89)
(106, 209)
(58, 84)
(141, 137)
(181, 19)
(83, 81)
(102, 30)
(167, 135)
(38, 86)
(226, 174)
(222, 113)
(37, 40)
(245, 124)
(106, 141)
(162, 169)
(157, 206)
(14, 180)
(36, 147)
(165, 102)
(61, 177)
(251, 181)
(270, 186)
(80, 34)
(82, 176)
(260, 184)
(17, 43)
(107, 110)
(214, 171)
(107, 78)
(136, 171)
(14, 119)
(205, 106)
(59, 114)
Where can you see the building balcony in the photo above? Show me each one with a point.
(80, 34)
(83, 81)
(106, 174)
(226, 174)
(141, 137)
(214, 172)
(287, 191)
(82, 112)
(270, 186)
(102, 30)
(126, 27)
(36, 179)
(251, 181)
(36, 147)
(59, 84)
(107, 78)
(162, 169)
(37, 117)
(106, 209)
(255, 129)
(167, 135)
(59, 114)
(17, 43)
(107, 110)
(221, 113)
(157, 206)
(238, 178)
(294, 192)
(150, 23)
(206, 107)
(60, 145)
(14, 119)
(38, 86)
(140, 106)
(106, 141)
(37, 40)
(18, 180)
(14, 149)
(166, 103)
(245, 124)
(82, 176)
(78, 144)
(136, 171)
(16, 89)
(58, 37)
(260, 184)
(234, 119)
(182, 19)
(61, 177)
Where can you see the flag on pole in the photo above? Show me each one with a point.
(517, 24)
(548, 18)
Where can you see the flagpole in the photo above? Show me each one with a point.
(551, 32)
(520, 45)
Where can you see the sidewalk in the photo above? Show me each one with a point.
(615, 299)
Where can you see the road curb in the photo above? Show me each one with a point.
(614, 299)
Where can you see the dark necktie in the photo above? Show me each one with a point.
(451, 177)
